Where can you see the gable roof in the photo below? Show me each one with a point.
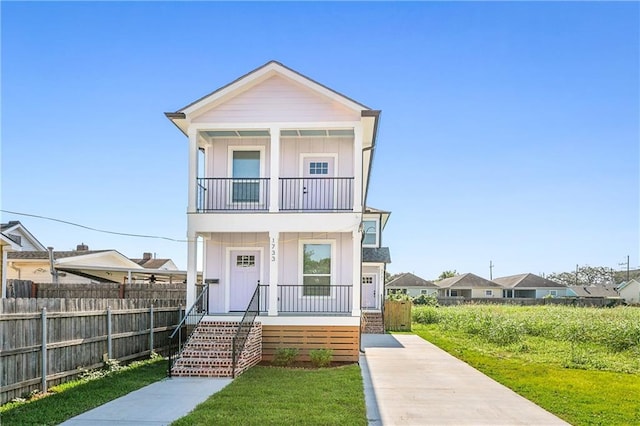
(408, 280)
(627, 284)
(527, 281)
(15, 227)
(152, 263)
(376, 255)
(384, 215)
(39, 255)
(467, 280)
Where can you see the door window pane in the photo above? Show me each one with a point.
(318, 168)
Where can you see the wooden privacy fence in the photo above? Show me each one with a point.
(45, 342)
(397, 315)
(155, 291)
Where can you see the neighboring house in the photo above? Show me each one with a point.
(630, 291)
(469, 286)
(81, 266)
(279, 171)
(530, 286)
(7, 245)
(19, 234)
(149, 261)
(593, 291)
(374, 259)
(411, 285)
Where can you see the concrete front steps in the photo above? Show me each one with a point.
(208, 351)
(372, 323)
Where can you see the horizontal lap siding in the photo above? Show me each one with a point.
(278, 99)
(343, 340)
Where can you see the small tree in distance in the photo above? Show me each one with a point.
(447, 274)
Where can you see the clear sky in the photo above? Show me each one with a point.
(509, 131)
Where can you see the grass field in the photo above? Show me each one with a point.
(286, 396)
(582, 364)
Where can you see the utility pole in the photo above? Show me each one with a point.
(491, 265)
(576, 274)
(627, 263)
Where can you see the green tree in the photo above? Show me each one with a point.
(447, 274)
(585, 275)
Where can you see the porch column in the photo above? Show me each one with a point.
(192, 268)
(3, 295)
(274, 181)
(193, 170)
(274, 261)
(357, 272)
(358, 186)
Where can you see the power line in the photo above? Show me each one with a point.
(94, 229)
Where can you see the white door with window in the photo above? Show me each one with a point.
(317, 186)
(245, 274)
(369, 284)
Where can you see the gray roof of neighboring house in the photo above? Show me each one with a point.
(467, 280)
(527, 281)
(151, 263)
(376, 255)
(627, 283)
(408, 280)
(606, 291)
(45, 254)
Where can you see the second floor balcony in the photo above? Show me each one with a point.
(314, 194)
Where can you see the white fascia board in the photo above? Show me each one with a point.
(163, 272)
(8, 244)
(199, 223)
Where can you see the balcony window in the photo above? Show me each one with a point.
(246, 170)
(316, 269)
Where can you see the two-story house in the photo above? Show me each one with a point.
(279, 169)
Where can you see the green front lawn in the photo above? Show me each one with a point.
(72, 398)
(283, 396)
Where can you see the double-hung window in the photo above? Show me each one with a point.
(316, 269)
(370, 230)
(246, 171)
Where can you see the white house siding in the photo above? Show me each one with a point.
(215, 261)
(217, 155)
(631, 293)
(293, 148)
(277, 99)
(480, 292)
(40, 272)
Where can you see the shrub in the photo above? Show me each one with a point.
(321, 357)
(285, 356)
(400, 297)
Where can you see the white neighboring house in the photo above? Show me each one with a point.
(411, 285)
(375, 258)
(530, 286)
(149, 261)
(469, 286)
(14, 237)
(278, 176)
(630, 291)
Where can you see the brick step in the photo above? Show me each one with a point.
(208, 346)
(201, 372)
(191, 353)
(199, 337)
(204, 362)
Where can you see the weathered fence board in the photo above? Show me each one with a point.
(397, 315)
(77, 337)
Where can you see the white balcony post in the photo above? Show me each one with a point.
(357, 167)
(193, 170)
(192, 266)
(274, 261)
(357, 272)
(274, 182)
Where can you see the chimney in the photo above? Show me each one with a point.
(82, 247)
(146, 256)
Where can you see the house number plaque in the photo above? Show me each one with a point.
(273, 249)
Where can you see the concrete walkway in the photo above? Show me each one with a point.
(409, 381)
(159, 403)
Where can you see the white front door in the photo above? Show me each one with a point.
(369, 284)
(245, 273)
(317, 186)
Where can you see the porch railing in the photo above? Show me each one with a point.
(317, 299)
(244, 328)
(186, 326)
(316, 194)
(215, 194)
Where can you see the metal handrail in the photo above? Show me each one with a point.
(244, 328)
(189, 322)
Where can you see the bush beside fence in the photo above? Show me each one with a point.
(77, 334)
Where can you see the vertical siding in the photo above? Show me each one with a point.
(217, 155)
(292, 149)
(277, 99)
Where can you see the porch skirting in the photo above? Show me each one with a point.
(343, 340)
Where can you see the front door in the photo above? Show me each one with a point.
(245, 273)
(317, 187)
(369, 291)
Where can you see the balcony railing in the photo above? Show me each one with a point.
(316, 194)
(215, 194)
(315, 299)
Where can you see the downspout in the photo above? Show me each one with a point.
(54, 272)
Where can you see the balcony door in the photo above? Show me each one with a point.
(317, 187)
(245, 274)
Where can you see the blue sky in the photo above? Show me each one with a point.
(509, 131)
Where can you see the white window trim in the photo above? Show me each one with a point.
(553, 292)
(488, 293)
(377, 221)
(230, 150)
(227, 278)
(306, 155)
(332, 278)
